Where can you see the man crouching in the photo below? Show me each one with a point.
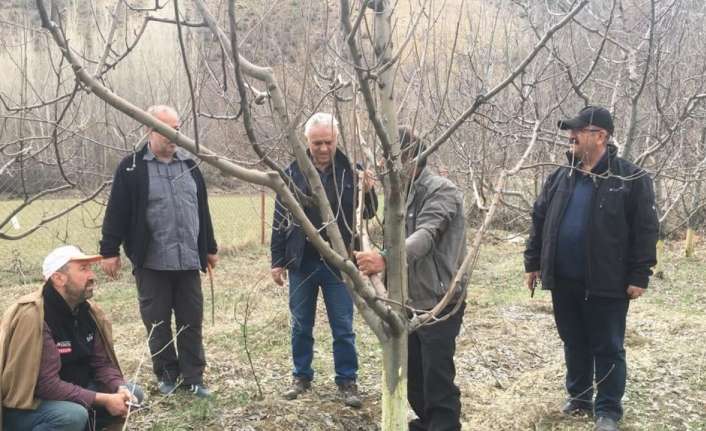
(59, 370)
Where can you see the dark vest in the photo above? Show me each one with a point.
(74, 334)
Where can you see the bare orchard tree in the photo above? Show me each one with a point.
(652, 77)
(58, 143)
(375, 70)
(482, 95)
(45, 147)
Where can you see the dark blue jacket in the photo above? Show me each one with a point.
(621, 237)
(288, 240)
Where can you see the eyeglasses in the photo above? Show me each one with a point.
(586, 130)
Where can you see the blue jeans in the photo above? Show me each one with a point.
(49, 416)
(304, 285)
(593, 332)
(61, 415)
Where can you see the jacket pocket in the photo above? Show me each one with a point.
(612, 198)
(611, 213)
(440, 287)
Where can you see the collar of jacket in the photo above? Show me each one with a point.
(341, 164)
(419, 183)
(139, 162)
(180, 154)
(57, 305)
(422, 178)
(339, 159)
(603, 164)
(54, 301)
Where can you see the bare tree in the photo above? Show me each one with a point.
(482, 95)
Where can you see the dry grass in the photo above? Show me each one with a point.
(509, 357)
(236, 220)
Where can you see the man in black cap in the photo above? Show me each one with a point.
(592, 243)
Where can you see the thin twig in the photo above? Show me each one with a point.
(194, 110)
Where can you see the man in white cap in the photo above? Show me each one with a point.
(57, 362)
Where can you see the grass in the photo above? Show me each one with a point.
(509, 357)
(515, 338)
(236, 218)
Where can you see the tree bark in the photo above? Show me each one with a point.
(394, 388)
(394, 383)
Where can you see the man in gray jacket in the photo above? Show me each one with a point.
(436, 245)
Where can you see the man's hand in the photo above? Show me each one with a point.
(531, 279)
(368, 180)
(635, 292)
(279, 275)
(116, 403)
(111, 266)
(212, 260)
(370, 262)
(125, 390)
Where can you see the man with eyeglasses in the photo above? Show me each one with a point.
(158, 210)
(593, 243)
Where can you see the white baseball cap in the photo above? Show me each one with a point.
(63, 255)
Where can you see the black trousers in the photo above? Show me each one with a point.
(160, 293)
(430, 381)
(593, 331)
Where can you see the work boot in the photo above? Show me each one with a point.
(604, 423)
(349, 392)
(299, 386)
(574, 407)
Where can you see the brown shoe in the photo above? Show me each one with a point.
(349, 392)
(299, 386)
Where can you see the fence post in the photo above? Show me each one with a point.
(262, 217)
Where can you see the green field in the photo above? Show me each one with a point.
(237, 223)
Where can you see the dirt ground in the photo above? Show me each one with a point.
(509, 357)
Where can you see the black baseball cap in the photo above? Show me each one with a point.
(589, 116)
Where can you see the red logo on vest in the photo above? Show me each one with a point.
(64, 347)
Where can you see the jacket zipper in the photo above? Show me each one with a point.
(555, 234)
(588, 237)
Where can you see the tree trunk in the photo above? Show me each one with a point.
(394, 383)
(690, 242)
(394, 370)
(693, 222)
(659, 269)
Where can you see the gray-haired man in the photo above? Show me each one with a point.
(309, 272)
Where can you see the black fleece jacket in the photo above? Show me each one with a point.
(125, 220)
(622, 227)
